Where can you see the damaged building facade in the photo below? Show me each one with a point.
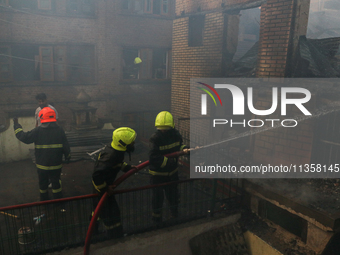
(265, 39)
(63, 48)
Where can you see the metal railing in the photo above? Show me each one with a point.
(42, 227)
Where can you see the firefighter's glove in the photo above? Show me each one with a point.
(67, 159)
(15, 121)
(110, 190)
(172, 162)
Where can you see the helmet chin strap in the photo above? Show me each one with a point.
(130, 149)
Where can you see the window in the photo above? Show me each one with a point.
(46, 63)
(33, 5)
(133, 6)
(80, 7)
(80, 60)
(5, 63)
(156, 64)
(196, 28)
(3, 2)
(44, 4)
(332, 5)
(24, 4)
(158, 7)
(74, 64)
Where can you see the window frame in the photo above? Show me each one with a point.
(80, 8)
(196, 23)
(147, 68)
(3, 2)
(42, 63)
(161, 11)
(47, 9)
(48, 63)
(9, 63)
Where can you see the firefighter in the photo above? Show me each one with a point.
(50, 146)
(109, 162)
(162, 169)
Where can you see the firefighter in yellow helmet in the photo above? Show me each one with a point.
(162, 169)
(109, 162)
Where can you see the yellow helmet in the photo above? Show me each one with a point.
(122, 137)
(137, 61)
(164, 120)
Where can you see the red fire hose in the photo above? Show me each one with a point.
(104, 197)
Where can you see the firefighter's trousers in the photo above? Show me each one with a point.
(44, 178)
(171, 194)
(110, 215)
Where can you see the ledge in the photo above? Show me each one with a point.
(330, 221)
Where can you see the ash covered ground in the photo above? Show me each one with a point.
(318, 194)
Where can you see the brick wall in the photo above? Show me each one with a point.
(275, 37)
(194, 62)
(108, 31)
(281, 145)
(278, 29)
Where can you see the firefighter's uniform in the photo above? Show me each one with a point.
(163, 169)
(109, 162)
(50, 146)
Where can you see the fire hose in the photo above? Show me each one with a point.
(115, 184)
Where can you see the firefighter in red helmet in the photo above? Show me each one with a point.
(50, 146)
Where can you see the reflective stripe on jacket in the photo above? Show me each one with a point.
(50, 144)
(162, 143)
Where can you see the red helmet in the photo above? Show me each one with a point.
(47, 115)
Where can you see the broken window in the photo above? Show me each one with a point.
(48, 63)
(196, 28)
(240, 44)
(155, 63)
(332, 5)
(130, 69)
(159, 64)
(323, 20)
(248, 32)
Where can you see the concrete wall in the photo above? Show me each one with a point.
(256, 246)
(11, 149)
